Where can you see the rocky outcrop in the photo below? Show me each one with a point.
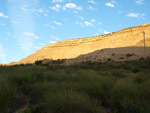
(67, 49)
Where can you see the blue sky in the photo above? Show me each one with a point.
(28, 25)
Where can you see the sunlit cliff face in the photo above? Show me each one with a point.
(130, 37)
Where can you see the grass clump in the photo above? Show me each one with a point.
(69, 102)
(124, 94)
(7, 94)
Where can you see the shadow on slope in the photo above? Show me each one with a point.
(115, 54)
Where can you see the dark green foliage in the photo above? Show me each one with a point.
(38, 62)
(7, 94)
(109, 59)
(59, 61)
(51, 62)
(88, 87)
(118, 74)
(121, 58)
(129, 55)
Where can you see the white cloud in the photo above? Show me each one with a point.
(70, 5)
(80, 23)
(92, 1)
(136, 15)
(88, 24)
(73, 6)
(133, 15)
(139, 2)
(96, 34)
(93, 20)
(24, 8)
(3, 16)
(15, 22)
(41, 10)
(26, 46)
(82, 18)
(37, 48)
(91, 8)
(54, 37)
(75, 12)
(114, 2)
(46, 25)
(57, 7)
(100, 23)
(52, 42)
(109, 4)
(142, 16)
(57, 1)
(53, 27)
(30, 34)
(57, 23)
(106, 32)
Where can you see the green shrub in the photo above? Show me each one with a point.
(68, 101)
(89, 87)
(118, 74)
(144, 90)
(123, 94)
(141, 78)
(38, 62)
(7, 94)
(121, 58)
(129, 55)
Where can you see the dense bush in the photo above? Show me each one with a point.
(89, 87)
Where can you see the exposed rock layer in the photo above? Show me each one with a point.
(130, 37)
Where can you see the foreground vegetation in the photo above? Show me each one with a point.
(111, 87)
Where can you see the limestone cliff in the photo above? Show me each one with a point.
(130, 37)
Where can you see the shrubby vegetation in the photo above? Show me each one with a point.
(89, 87)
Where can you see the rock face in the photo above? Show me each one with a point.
(67, 49)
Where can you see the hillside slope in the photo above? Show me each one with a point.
(130, 37)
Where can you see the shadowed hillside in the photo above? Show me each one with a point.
(112, 54)
(103, 55)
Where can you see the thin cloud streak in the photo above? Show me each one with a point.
(139, 2)
(57, 23)
(3, 16)
(31, 34)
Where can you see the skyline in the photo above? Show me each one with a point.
(27, 26)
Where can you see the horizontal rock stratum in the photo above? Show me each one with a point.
(68, 49)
